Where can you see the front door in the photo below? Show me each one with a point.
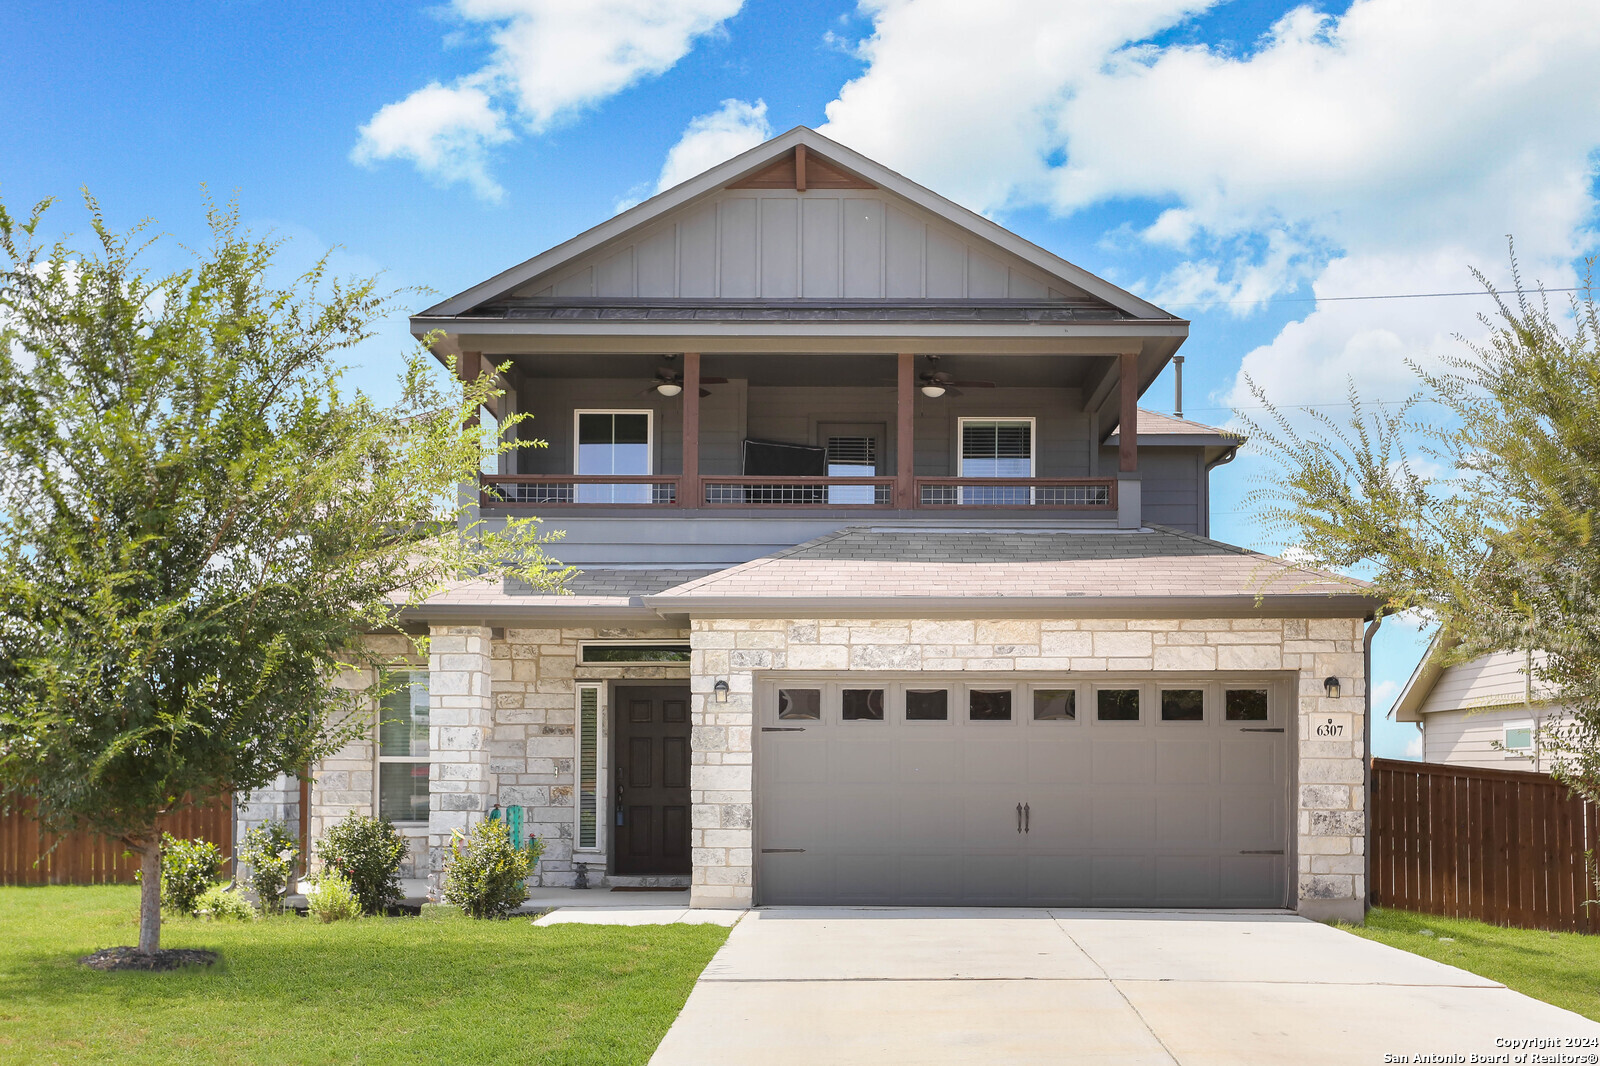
(652, 775)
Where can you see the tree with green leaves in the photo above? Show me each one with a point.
(199, 522)
(1476, 502)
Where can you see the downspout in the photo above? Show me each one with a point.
(1366, 762)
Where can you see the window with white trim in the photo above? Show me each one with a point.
(612, 442)
(588, 767)
(1518, 737)
(403, 756)
(996, 447)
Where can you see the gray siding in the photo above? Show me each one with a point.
(1488, 681)
(1467, 738)
(1173, 483)
(734, 411)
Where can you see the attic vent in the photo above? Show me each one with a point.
(852, 451)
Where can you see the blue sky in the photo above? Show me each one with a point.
(1231, 161)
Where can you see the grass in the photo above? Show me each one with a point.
(1559, 968)
(289, 990)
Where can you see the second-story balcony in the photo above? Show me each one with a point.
(769, 432)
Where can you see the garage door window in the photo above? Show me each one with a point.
(1117, 705)
(927, 705)
(1183, 705)
(989, 705)
(1246, 705)
(863, 704)
(800, 704)
(1055, 704)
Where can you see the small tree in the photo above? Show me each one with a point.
(198, 523)
(1500, 545)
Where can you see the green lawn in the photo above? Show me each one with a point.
(1559, 968)
(379, 990)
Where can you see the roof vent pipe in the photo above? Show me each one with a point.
(1177, 386)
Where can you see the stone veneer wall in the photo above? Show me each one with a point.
(533, 747)
(1331, 800)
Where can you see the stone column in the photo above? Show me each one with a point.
(460, 727)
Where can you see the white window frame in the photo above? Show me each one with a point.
(1519, 753)
(379, 758)
(961, 437)
(602, 771)
(649, 434)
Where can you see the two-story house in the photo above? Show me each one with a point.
(890, 593)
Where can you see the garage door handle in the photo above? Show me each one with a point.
(1027, 817)
(783, 851)
(1019, 817)
(1248, 729)
(1279, 851)
(783, 729)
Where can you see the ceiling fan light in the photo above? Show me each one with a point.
(933, 392)
(667, 388)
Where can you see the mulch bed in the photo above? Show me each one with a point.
(134, 959)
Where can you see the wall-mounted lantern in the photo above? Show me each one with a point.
(1331, 687)
(721, 691)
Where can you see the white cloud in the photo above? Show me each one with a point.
(1383, 696)
(1413, 749)
(715, 138)
(550, 59)
(1384, 150)
(445, 132)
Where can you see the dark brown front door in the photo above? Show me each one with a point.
(652, 776)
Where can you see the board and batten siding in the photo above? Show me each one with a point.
(780, 244)
(1173, 485)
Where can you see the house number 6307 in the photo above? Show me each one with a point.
(1328, 729)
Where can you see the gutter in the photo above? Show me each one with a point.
(1366, 763)
(1307, 605)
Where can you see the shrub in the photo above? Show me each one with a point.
(222, 904)
(331, 898)
(486, 869)
(188, 869)
(269, 850)
(367, 853)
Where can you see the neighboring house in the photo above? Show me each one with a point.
(1484, 712)
(876, 604)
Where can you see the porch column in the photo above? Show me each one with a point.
(1129, 511)
(469, 369)
(905, 485)
(689, 488)
(460, 726)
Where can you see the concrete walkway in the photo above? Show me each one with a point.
(840, 986)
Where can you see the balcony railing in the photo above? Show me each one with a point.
(1071, 493)
(579, 489)
(798, 491)
(564, 490)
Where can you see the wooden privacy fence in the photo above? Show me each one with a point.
(1502, 846)
(26, 857)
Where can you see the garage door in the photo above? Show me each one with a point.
(1112, 792)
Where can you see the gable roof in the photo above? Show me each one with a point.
(763, 163)
(926, 571)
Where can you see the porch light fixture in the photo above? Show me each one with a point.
(1331, 687)
(721, 690)
(667, 388)
(933, 392)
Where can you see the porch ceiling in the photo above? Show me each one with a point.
(814, 369)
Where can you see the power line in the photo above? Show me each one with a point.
(1382, 296)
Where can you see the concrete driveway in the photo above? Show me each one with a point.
(889, 986)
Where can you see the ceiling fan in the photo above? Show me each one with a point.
(937, 383)
(669, 382)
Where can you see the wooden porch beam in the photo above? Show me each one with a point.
(1128, 419)
(689, 490)
(905, 434)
